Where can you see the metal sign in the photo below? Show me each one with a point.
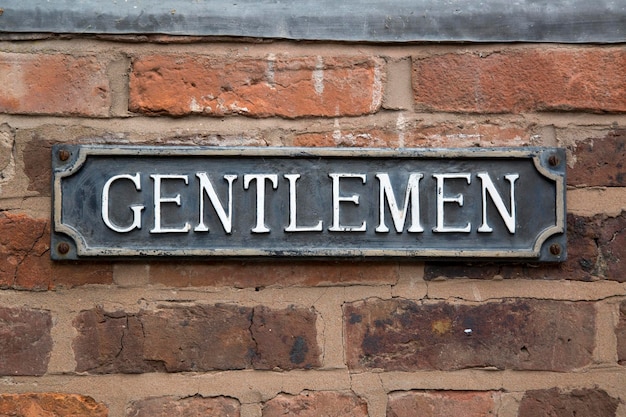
(295, 202)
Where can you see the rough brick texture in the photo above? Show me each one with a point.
(25, 341)
(522, 80)
(579, 403)
(25, 246)
(198, 338)
(54, 84)
(621, 334)
(279, 273)
(421, 135)
(284, 339)
(289, 87)
(50, 405)
(196, 406)
(596, 247)
(314, 404)
(599, 161)
(441, 404)
(512, 334)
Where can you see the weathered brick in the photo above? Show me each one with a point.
(422, 135)
(25, 341)
(289, 87)
(314, 404)
(522, 80)
(366, 138)
(50, 405)
(54, 84)
(596, 247)
(285, 338)
(556, 403)
(7, 149)
(25, 244)
(277, 273)
(599, 161)
(620, 332)
(37, 167)
(196, 339)
(513, 334)
(442, 404)
(195, 406)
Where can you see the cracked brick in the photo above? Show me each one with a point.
(25, 245)
(195, 339)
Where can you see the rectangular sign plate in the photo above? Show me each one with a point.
(504, 203)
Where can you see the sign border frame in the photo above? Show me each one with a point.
(550, 244)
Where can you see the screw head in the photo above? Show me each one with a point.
(64, 154)
(63, 248)
(554, 160)
(555, 249)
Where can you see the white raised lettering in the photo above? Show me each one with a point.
(293, 227)
(411, 196)
(337, 198)
(442, 199)
(489, 188)
(158, 199)
(260, 197)
(207, 187)
(136, 208)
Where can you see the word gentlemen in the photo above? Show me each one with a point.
(398, 206)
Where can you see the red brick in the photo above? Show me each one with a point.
(441, 404)
(25, 342)
(579, 403)
(596, 247)
(25, 244)
(285, 339)
(422, 135)
(468, 134)
(314, 404)
(37, 167)
(402, 335)
(198, 338)
(54, 84)
(277, 273)
(366, 138)
(50, 405)
(620, 332)
(195, 339)
(522, 80)
(289, 87)
(599, 161)
(195, 406)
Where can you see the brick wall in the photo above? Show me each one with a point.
(305, 338)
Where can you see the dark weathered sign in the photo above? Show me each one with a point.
(247, 202)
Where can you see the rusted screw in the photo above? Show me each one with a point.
(64, 154)
(554, 160)
(63, 248)
(555, 249)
